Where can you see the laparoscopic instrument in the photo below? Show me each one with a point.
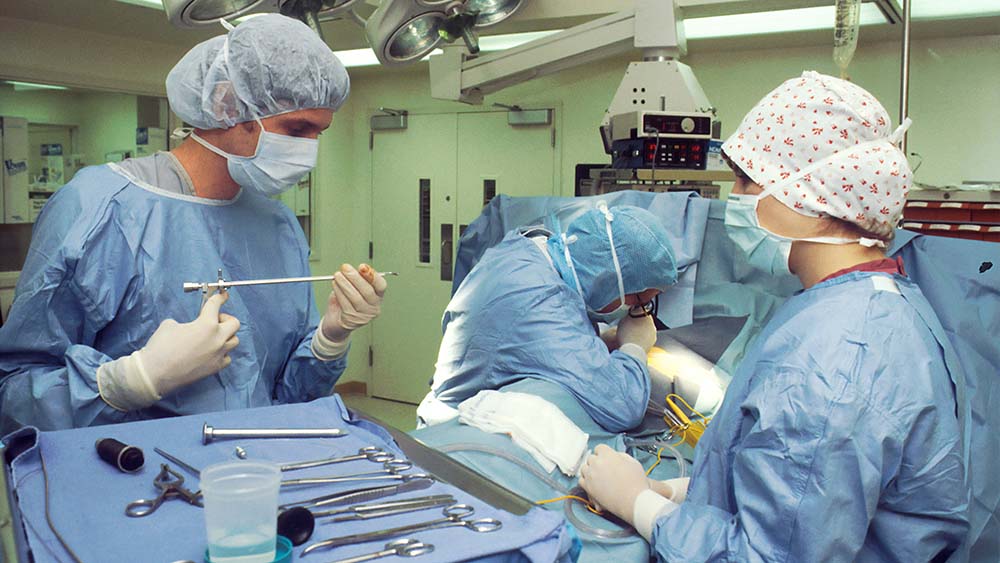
(222, 284)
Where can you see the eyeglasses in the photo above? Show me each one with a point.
(645, 309)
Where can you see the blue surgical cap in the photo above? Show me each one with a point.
(642, 245)
(268, 65)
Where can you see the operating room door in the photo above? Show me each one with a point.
(428, 182)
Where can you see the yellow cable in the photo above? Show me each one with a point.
(590, 506)
(659, 457)
(689, 431)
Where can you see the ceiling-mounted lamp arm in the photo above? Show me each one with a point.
(650, 26)
(306, 11)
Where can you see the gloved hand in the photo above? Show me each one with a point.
(176, 355)
(637, 330)
(356, 299)
(180, 354)
(610, 338)
(613, 480)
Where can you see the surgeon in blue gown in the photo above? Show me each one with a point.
(843, 435)
(530, 306)
(100, 331)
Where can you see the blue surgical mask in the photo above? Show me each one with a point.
(764, 250)
(279, 162)
(622, 309)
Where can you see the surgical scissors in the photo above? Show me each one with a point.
(361, 495)
(454, 515)
(171, 485)
(402, 548)
(381, 510)
(385, 475)
(371, 453)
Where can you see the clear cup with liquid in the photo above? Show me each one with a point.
(241, 507)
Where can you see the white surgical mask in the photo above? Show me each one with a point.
(766, 250)
(622, 309)
(277, 164)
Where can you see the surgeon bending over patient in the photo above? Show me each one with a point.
(528, 310)
(841, 434)
(100, 331)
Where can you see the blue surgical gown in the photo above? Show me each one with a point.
(106, 265)
(839, 439)
(512, 318)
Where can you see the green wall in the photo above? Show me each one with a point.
(106, 121)
(954, 103)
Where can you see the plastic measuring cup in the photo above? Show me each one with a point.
(241, 502)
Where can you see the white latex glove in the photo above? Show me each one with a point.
(672, 489)
(610, 338)
(639, 331)
(176, 355)
(613, 480)
(355, 301)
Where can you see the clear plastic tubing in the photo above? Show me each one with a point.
(845, 33)
(600, 533)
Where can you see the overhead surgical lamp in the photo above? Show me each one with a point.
(201, 13)
(197, 13)
(403, 31)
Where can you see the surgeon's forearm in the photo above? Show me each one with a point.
(325, 349)
(649, 507)
(124, 384)
(54, 397)
(634, 350)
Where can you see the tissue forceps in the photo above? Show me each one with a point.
(454, 515)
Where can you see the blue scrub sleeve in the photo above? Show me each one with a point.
(48, 363)
(554, 341)
(306, 377)
(818, 457)
(807, 466)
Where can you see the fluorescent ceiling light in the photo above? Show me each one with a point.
(357, 57)
(366, 57)
(22, 86)
(939, 9)
(158, 4)
(510, 40)
(802, 19)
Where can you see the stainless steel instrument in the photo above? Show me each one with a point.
(222, 284)
(361, 495)
(454, 515)
(380, 510)
(209, 433)
(371, 453)
(402, 548)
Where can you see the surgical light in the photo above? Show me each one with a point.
(490, 12)
(415, 38)
(195, 13)
(404, 31)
